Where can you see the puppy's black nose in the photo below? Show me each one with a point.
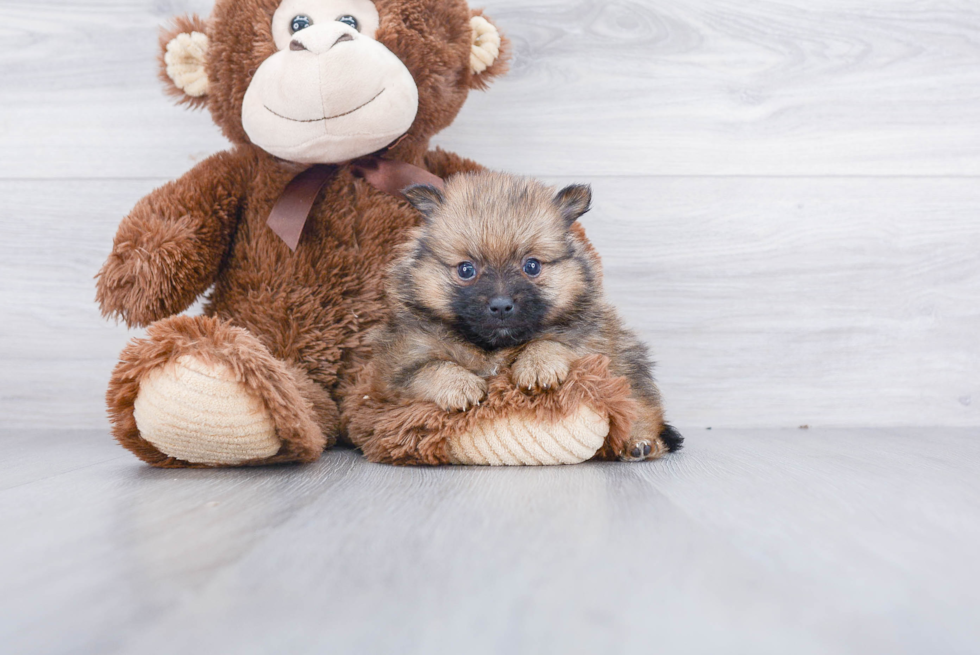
(502, 306)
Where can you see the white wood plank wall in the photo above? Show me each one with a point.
(787, 192)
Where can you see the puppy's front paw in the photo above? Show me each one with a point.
(530, 374)
(456, 389)
(638, 449)
(542, 365)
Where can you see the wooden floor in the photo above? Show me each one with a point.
(763, 541)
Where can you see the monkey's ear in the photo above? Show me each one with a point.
(490, 55)
(183, 60)
(425, 198)
(573, 201)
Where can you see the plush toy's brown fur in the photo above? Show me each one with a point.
(291, 325)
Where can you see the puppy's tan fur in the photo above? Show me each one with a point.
(425, 349)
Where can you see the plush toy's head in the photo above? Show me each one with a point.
(326, 81)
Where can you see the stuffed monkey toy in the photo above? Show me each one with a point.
(329, 106)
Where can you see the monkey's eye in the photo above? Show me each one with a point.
(466, 271)
(348, 20)
(300, 22)
(532, 268)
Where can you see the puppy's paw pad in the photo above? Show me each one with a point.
(638, 450)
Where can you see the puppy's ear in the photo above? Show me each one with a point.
(183, 60)
(425, 198)
(573, 201)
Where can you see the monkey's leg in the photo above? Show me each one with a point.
(198, 391)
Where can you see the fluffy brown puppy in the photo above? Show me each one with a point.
(496, 279)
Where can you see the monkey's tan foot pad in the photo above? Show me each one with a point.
(589, 416)
(201, 413)
(527, 441)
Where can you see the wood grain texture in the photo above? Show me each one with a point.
(711, 87)
(846, 541)
(717, 87)
(767, 302)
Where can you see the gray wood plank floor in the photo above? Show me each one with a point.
(820, 541)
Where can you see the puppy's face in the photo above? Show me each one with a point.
(495, 259)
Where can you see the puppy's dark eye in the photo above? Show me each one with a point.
(300, 22)
(532, 268)
(348, 20)
(466, 271)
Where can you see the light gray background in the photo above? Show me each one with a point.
(786, 192)
(787, 203)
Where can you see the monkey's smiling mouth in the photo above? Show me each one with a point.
(326, 118)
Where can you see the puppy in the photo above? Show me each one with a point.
(496, 277)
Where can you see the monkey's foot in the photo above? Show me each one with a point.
(519, 441)
(198, 391)
(201, 413)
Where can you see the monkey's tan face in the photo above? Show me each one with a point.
(332, 92)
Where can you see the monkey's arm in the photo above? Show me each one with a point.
(168, 250)
(444, 163)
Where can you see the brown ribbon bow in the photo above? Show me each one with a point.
(291, 211)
